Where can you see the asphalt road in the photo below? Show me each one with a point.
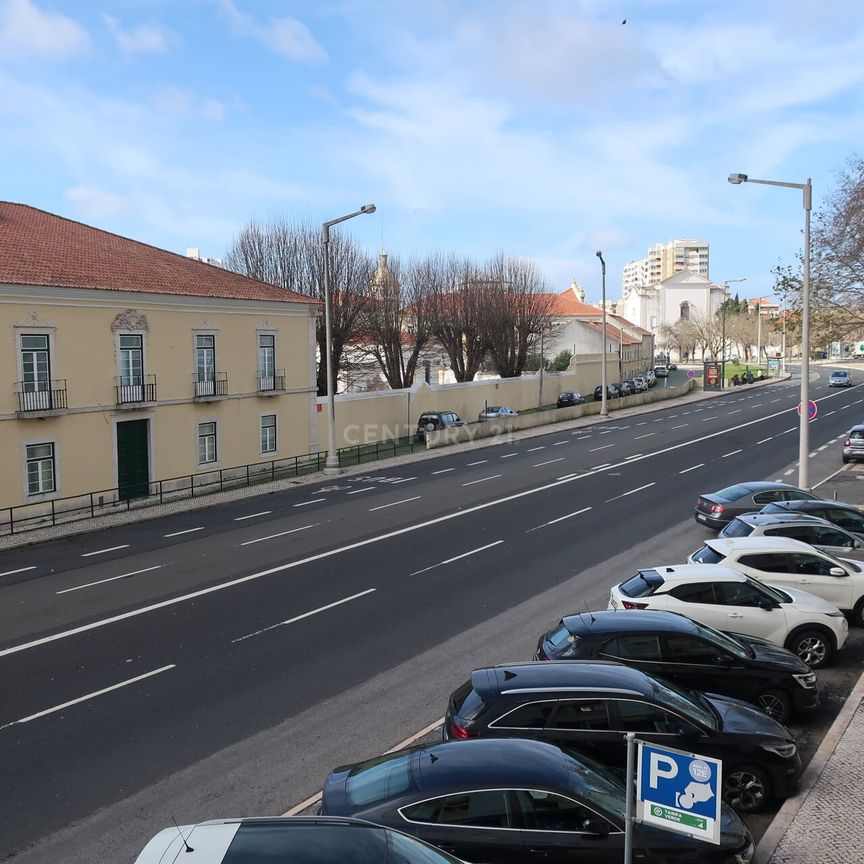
(219, 662)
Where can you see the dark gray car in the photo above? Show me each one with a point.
(430, 421)
(846, 516)
(819, 533)
(715, 509)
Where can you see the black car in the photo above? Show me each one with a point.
(514, 801)
(430, 421)
(570, 398)
(591, 706)
(611, 392)
(842, 515)
(627, 388)
(717, 508)
(689, 654)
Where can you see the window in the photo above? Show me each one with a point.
(268, 433)
(131, 360)
(378, 779)
(685, 311)
(774, 562)
(738, 594)
(645, 582)
(266, 361)
(34, 363)
(545, 811)
(732, 493)
(846, 519)
(796, 495)
(580, 714)
(680, 648)
(696, 592)
(737, 528)
(40, 469)
(533, 716)
(769, 497)
(481, 809)
(810, 565)
(206, 443)
(642, 717)
(637, 647)
(804, 533)
(707, 555)
(832, 537)
(563, 641)
(205, 365)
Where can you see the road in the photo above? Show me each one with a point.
(219, 662)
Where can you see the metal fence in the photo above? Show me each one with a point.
(28, 517)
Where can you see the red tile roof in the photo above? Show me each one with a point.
(40, 248)
(634, 327)
(566, 304)
(613, 333)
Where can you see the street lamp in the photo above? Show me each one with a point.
(804, 405)
(332, 464)
(726, 284)
(604, 411)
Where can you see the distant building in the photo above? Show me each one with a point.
(665, 260)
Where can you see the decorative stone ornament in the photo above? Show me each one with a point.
(130, 319)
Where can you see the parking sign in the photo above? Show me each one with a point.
(679, 791)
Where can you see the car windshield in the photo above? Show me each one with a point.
(594, 782)
(378, 779)
(681, 700)
(721, 640)
(732, 493)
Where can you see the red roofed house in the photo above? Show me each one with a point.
(124, 364)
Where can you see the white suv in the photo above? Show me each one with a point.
(728, 600)
(787, 562)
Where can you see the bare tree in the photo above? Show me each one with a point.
(289, 254)
(679, 336)
(518, 309)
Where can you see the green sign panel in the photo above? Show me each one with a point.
(658, 811)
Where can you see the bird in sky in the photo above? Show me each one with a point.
(624, 21)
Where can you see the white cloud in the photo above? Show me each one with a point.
(286, 36)
(174, 101)
(96, 203)
(27, 31)
(143, 39)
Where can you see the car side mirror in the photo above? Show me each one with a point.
(838, 571)
(594, 825)
(687, 731)
(766, 603)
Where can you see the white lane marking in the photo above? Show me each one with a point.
(643, 423)
(775, 400)
(692, 468)
(686, 413)
(532, 449)
(566, 476)
(765, 440)
(457, 514)
(830, 413)
(559, 443)
(646, 435)
(355, 492)
(252, 515)
(19, 570)
(280, 534)
(457, 557)
(508, 455)
(706, 419)
(482, 480)
(395, 503)
(671, 416)
(92, 695)
(843, 407)
(480, 462)
(110, 579)
(305, 615)
(600, 467)
(631, 492)
(568, 516)
(787, 473)
(103, 551)
(317, 500)
(635, 456)
(581, 438)
(314, 799)
(736, 411)
(187, 531)
(787, 431)
(445, 470)
(756, 405)
(659, 419)
(604, 447)
(541, 464)
(857, 401)
(731, 454)
(397, 482)
(681, 426)
(823, 447)
(623, 427)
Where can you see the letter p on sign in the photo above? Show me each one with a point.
(661, 767)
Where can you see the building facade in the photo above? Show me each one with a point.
(665, 260)
(124, 364)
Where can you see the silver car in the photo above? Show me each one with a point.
(819, 533)
(496, 412)
(853, 446)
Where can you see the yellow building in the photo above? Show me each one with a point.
(122, 364)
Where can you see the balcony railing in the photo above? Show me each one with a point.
(135, 389)
(210, 385)
(41, 396)
(271, 381)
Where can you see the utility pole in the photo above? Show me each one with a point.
(604, 411)
(758, 332)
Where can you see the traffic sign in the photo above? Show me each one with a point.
(812, 409)
(691, 374)
(679, 791)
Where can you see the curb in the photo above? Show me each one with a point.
(786, 815)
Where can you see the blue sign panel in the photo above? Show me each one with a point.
(679, 791)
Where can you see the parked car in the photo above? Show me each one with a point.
(570, 398)
(490, 801)
(853, 446)
(641, 383)
(790, 563)
(661, 371)
(625, 388)
(728, 600)
(298, 839)
(845, 516)
(577, 704)
(611, 392)
(496, 412)
(840, 378)
(430, 421)
(715, 509)
(689, 654)
(819, 533)
(615, 390)
(672, 367)
(650, 377)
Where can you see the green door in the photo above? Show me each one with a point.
(133, 469)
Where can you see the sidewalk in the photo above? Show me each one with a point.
(823, 824)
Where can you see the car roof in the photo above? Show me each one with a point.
(561, 675)
(857, 427)
(816, 504)
(608, 621)
(761, 519)
(758, 485)
(754, 544)
(697, 573)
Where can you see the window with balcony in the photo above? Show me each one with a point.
(36, 390)
(205, 365)
(268, 433)
(206, 443)
(133, 386)
(40, 469)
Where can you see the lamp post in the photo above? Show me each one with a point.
(726, 284)
(804, 405)
(332, 464)
(604, 411)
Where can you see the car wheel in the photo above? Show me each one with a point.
(776, 704)
(746, 789)
(812, 646)
(845, 461)
(857, 616)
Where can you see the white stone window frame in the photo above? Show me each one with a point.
(35, 330)
(275, 428)
(198, 424)
(36, 442)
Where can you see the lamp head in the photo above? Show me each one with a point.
(367, 208)
(737, 178)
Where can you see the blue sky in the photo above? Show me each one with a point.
(541, 129)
